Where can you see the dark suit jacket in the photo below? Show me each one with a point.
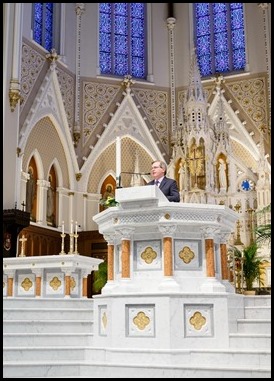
(169, 188)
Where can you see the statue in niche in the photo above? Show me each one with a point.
(182, 176)
(222, 174)
(50, 204)
(30, 192)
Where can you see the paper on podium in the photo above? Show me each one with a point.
(147, 195)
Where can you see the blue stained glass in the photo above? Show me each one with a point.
(43, 25)
(202, 9)
(219, 7)
(237, 19)
(137, 10)
(122, 34)
(120, 44)
(205, 64)
(138, 64)
(38, 12)
(137, 46)
(120, 9)
(37, 34)
(237, 38)
(105, 23)
(203, 26)
(120, 25)
(137, 28)
(203, 45)
(238, 59)
(105, 63)
(236, 5)
(105, 42)
(105, 7)
(220, 37)
(48, 40)
(220, 43)
(221, 62)
(220, 23)
(121, 64)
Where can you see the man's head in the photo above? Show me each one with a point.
(158, 169)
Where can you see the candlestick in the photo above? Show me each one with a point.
(71, 227)
(71, 243)
(75, 244)
(63, 227)
(118, 160)
(76, 227)
(62, 244)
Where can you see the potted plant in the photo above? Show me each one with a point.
(108, 202)
(100, 277)
(251, 264)
(263, 231)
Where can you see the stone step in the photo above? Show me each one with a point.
(57, 313)
(21, 302)
(257, 312)
(47, 339)
(70, 369)
(250, 340)
(254, 325)
(49, 326)
(222, 357)
(257, 300)
(145, 356)
(24, 354)
(64, 331)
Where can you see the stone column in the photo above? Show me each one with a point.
(167, 232)
(110, 262)
(110, 258)
(38, 282)
(125, 235)
(67, 280)
(168, 268)
(209, 251)
(223, 249)
(84, 275)
(168, 284)
(10, 274)
(209, 234)
(125, 258)
(71, 199)
(41, 211)
(211, 284)
(60, 196)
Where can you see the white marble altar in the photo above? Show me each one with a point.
(51, 276)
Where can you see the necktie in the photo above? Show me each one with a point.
(157, 182)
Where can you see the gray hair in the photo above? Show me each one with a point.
(162, 164)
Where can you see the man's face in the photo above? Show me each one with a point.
(156, 171)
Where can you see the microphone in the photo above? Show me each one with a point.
(137, 173)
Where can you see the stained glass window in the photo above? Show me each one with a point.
(45, 17)
(122, 39)
(219, 37)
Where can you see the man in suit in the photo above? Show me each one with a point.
(168, 186)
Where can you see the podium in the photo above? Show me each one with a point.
(167, 273)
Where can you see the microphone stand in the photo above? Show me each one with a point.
(118, 180)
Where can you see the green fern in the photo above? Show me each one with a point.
(100, 277)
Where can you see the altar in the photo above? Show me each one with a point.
(167, 273)
(49, 276)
